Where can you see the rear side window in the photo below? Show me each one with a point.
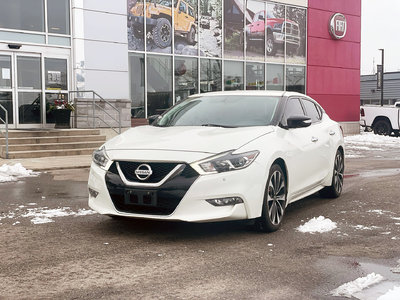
(293, 108)
(191, 12)
(312, 111)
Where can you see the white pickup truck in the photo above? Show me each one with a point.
(383, 120)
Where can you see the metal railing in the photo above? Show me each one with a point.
(6, 123)
(95, 106)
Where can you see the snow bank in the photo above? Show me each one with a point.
(367, 141)
(320, 224)
(348, 289)
(12, 173)
(393, 294)
(370, 139)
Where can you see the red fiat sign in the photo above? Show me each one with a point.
(338, 26)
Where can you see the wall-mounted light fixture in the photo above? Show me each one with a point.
(14, 46)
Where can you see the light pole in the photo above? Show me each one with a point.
(383, 72)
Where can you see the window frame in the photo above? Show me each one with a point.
(317, 108)
(45, 33)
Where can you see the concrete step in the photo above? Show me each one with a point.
(49, 153)
(53, 139)
(54, 146)
(52, 133)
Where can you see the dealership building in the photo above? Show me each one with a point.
(144, 56)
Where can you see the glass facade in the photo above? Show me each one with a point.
(182, 47)
(159, 84)
(35, 21)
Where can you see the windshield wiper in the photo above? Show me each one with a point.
(218, 125)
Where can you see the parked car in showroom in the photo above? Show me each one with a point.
(221, 156)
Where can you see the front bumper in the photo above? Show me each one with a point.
(192, 206)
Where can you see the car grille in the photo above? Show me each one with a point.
(160, 170)
(292, 29)
(161, 200)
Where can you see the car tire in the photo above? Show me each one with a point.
(274, 203)
(382, 127)
(270, 44)
(191, 36)
(162, 33)
(335, 189)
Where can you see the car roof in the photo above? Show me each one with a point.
(252, 93)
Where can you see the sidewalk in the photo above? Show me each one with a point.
(51, 163)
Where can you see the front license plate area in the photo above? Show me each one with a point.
(142, 198)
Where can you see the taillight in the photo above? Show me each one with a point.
(362, 112)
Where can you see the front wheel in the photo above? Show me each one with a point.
(162, 33)
(335, 189)
(274, 204)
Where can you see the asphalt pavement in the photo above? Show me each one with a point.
(76, 254)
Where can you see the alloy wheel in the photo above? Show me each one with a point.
(338, 173)
(276, 198)
(165, 33)
(270, 45)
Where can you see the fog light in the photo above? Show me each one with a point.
(93, 193)
(225, 201)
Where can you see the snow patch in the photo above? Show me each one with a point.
(362, 227)
(85, 212)
(348, 289)
(43, 215)
(393, 294)
(41, 220)
(376, 211)
(320, 224)
(12, 173)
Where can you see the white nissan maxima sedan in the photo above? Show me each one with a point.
(221, 156)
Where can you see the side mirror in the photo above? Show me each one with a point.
(298, 121)
(152, 118)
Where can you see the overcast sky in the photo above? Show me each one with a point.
(380, 29)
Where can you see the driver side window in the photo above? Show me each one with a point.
(182, 7)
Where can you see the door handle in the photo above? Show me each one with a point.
(332, 132)
(314, 139)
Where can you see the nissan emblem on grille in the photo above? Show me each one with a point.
(143, 172)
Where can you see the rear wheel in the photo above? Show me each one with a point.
(335, 189)
(270, 44)
(382, 127)
(274, 204)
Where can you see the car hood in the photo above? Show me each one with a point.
(186, 138)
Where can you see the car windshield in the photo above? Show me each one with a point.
(221, 111)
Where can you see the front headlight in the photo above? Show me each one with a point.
(226, 162)
(100, 157)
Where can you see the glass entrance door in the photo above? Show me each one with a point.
(31, 86)
(29, 90)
